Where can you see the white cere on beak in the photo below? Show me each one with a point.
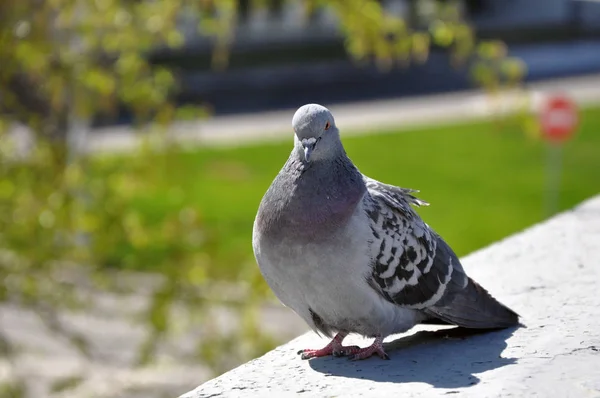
(309, 145)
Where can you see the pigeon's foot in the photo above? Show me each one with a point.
(375, 348)
(334, 348)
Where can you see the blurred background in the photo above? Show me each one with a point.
(138, 137)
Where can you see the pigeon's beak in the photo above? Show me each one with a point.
(309, 146)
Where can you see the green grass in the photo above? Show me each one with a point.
(483, 182)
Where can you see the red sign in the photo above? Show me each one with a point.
(559, 118)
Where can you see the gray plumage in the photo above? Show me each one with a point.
(350, 255)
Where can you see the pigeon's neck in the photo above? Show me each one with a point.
(309, 201)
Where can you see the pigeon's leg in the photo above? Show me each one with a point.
(375, 348)
(334, 348)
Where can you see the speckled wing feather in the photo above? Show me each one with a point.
(409, 268)
(414, 268)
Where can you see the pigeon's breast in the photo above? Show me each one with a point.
(305, 223)
(307, 207)
(329, 278)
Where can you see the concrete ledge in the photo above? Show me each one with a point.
(549, 273)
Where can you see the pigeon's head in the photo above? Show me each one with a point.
(317, 137)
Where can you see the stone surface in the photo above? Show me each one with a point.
(549, 273)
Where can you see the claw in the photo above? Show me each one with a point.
(354, 353)
(334, 348)
(375, 348)
(344, 351)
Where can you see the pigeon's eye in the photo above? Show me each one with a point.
(327, 125)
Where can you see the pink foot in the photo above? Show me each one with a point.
(334, 348)
(375, 348)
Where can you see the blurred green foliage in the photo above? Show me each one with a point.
(70, 220)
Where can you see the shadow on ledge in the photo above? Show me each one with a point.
(446, 358)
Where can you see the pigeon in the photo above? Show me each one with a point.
(349, 254)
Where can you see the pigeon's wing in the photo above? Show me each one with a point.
(406, 269)
(413, 267)
(393, 196)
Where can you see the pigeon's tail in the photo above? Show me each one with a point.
(473, 307)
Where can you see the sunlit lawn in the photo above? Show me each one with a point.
(483, 182)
